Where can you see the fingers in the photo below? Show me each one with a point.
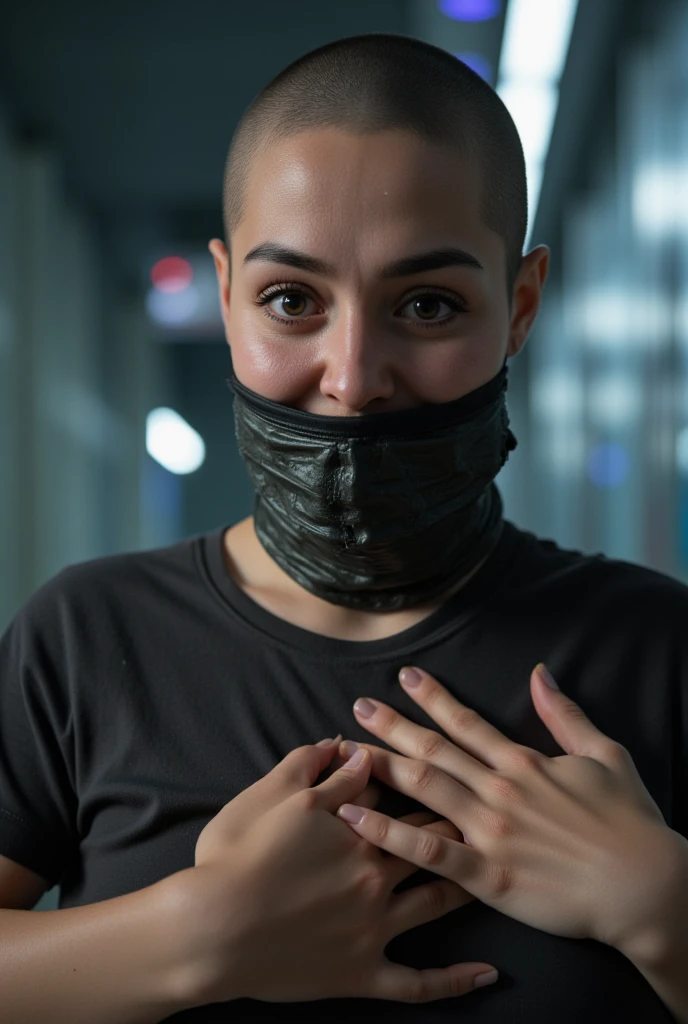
(424, 903)
(399, 870)
(301, 767)
(370, 797)
(405, 985)
(351, 778)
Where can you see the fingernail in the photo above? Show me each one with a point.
(488, 978)
(547, 676)
(324, 743)
(410, 676)
(365, 708)
(348, 748)
(355, 761)
(350, 813)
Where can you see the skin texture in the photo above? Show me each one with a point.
(356, 343)
(572, 845)
(563, 843)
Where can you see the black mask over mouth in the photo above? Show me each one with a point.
(382, 511)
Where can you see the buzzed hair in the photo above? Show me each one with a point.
(381, 82)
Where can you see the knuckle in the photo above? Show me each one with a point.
(386, 723)
(430, 745)
(430, 847)
(506, 790)
(436, 898)
(306, 800)
(422, 775)
(523, 759)
(371, 886)
(380, 827)
(617, 753)
(416, 991)
(463, 719)
(499, 825)
(575, 712)
(499, 879)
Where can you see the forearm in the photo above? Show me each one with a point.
(120, 961)
(661, 954)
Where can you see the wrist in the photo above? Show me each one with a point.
(652, 941)
(204, 972)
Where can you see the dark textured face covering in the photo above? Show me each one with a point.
(381, 511)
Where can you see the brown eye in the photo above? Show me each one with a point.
(292, 303)
(427, 306)
(432, 308)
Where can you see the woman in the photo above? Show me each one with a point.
(160, 709)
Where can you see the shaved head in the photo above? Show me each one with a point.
(373, 83)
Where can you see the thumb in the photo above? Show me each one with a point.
(300, 768)
(347, 782)
(566, 720)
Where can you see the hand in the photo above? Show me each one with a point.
(286, 904)
(572, 845)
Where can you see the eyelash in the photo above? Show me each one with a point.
(287, 288)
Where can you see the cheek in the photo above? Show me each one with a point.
(448, 369)
(273, 365)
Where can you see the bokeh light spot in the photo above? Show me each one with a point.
(608, 465)
(171, 274)
(470, 10)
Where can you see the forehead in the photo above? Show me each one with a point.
(370, 190)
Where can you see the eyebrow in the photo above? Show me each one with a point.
(434, 259)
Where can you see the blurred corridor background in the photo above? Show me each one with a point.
(116, 426)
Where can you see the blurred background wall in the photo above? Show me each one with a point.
(116, 427)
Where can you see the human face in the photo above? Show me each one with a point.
(346, 328)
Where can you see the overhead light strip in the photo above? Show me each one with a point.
(536, 41)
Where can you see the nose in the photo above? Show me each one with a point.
(357, 371)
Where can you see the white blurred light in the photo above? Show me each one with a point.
(557, 395)
(681, 321)
(615, 319)
(614, 401)
(536, 39)
(682, 451)
(564, 450)
(534, 173)
(532, 106)
(172, 307)
(172, 442)
(660, 199)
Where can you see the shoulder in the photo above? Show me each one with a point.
(597, 581)
(85, 590)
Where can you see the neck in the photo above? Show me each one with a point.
(262, 579)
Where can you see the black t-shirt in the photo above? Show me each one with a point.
(139, 693)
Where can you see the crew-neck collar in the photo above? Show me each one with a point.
(452, 615)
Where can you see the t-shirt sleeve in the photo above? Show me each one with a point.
(38, 805)
(681, 806)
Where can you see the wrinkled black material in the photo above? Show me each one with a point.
(382, 511)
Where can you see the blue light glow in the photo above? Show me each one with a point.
(608, 465)
(470, 10)
(476, 62)
(172, 308)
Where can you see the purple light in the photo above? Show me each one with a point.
(470, 10)
(608, 465)
(476, 62)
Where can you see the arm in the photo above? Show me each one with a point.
(120, 961)
(661, 953)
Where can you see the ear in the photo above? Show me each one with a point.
(527, 294)
(218, 251)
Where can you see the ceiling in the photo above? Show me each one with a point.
(140, 98)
